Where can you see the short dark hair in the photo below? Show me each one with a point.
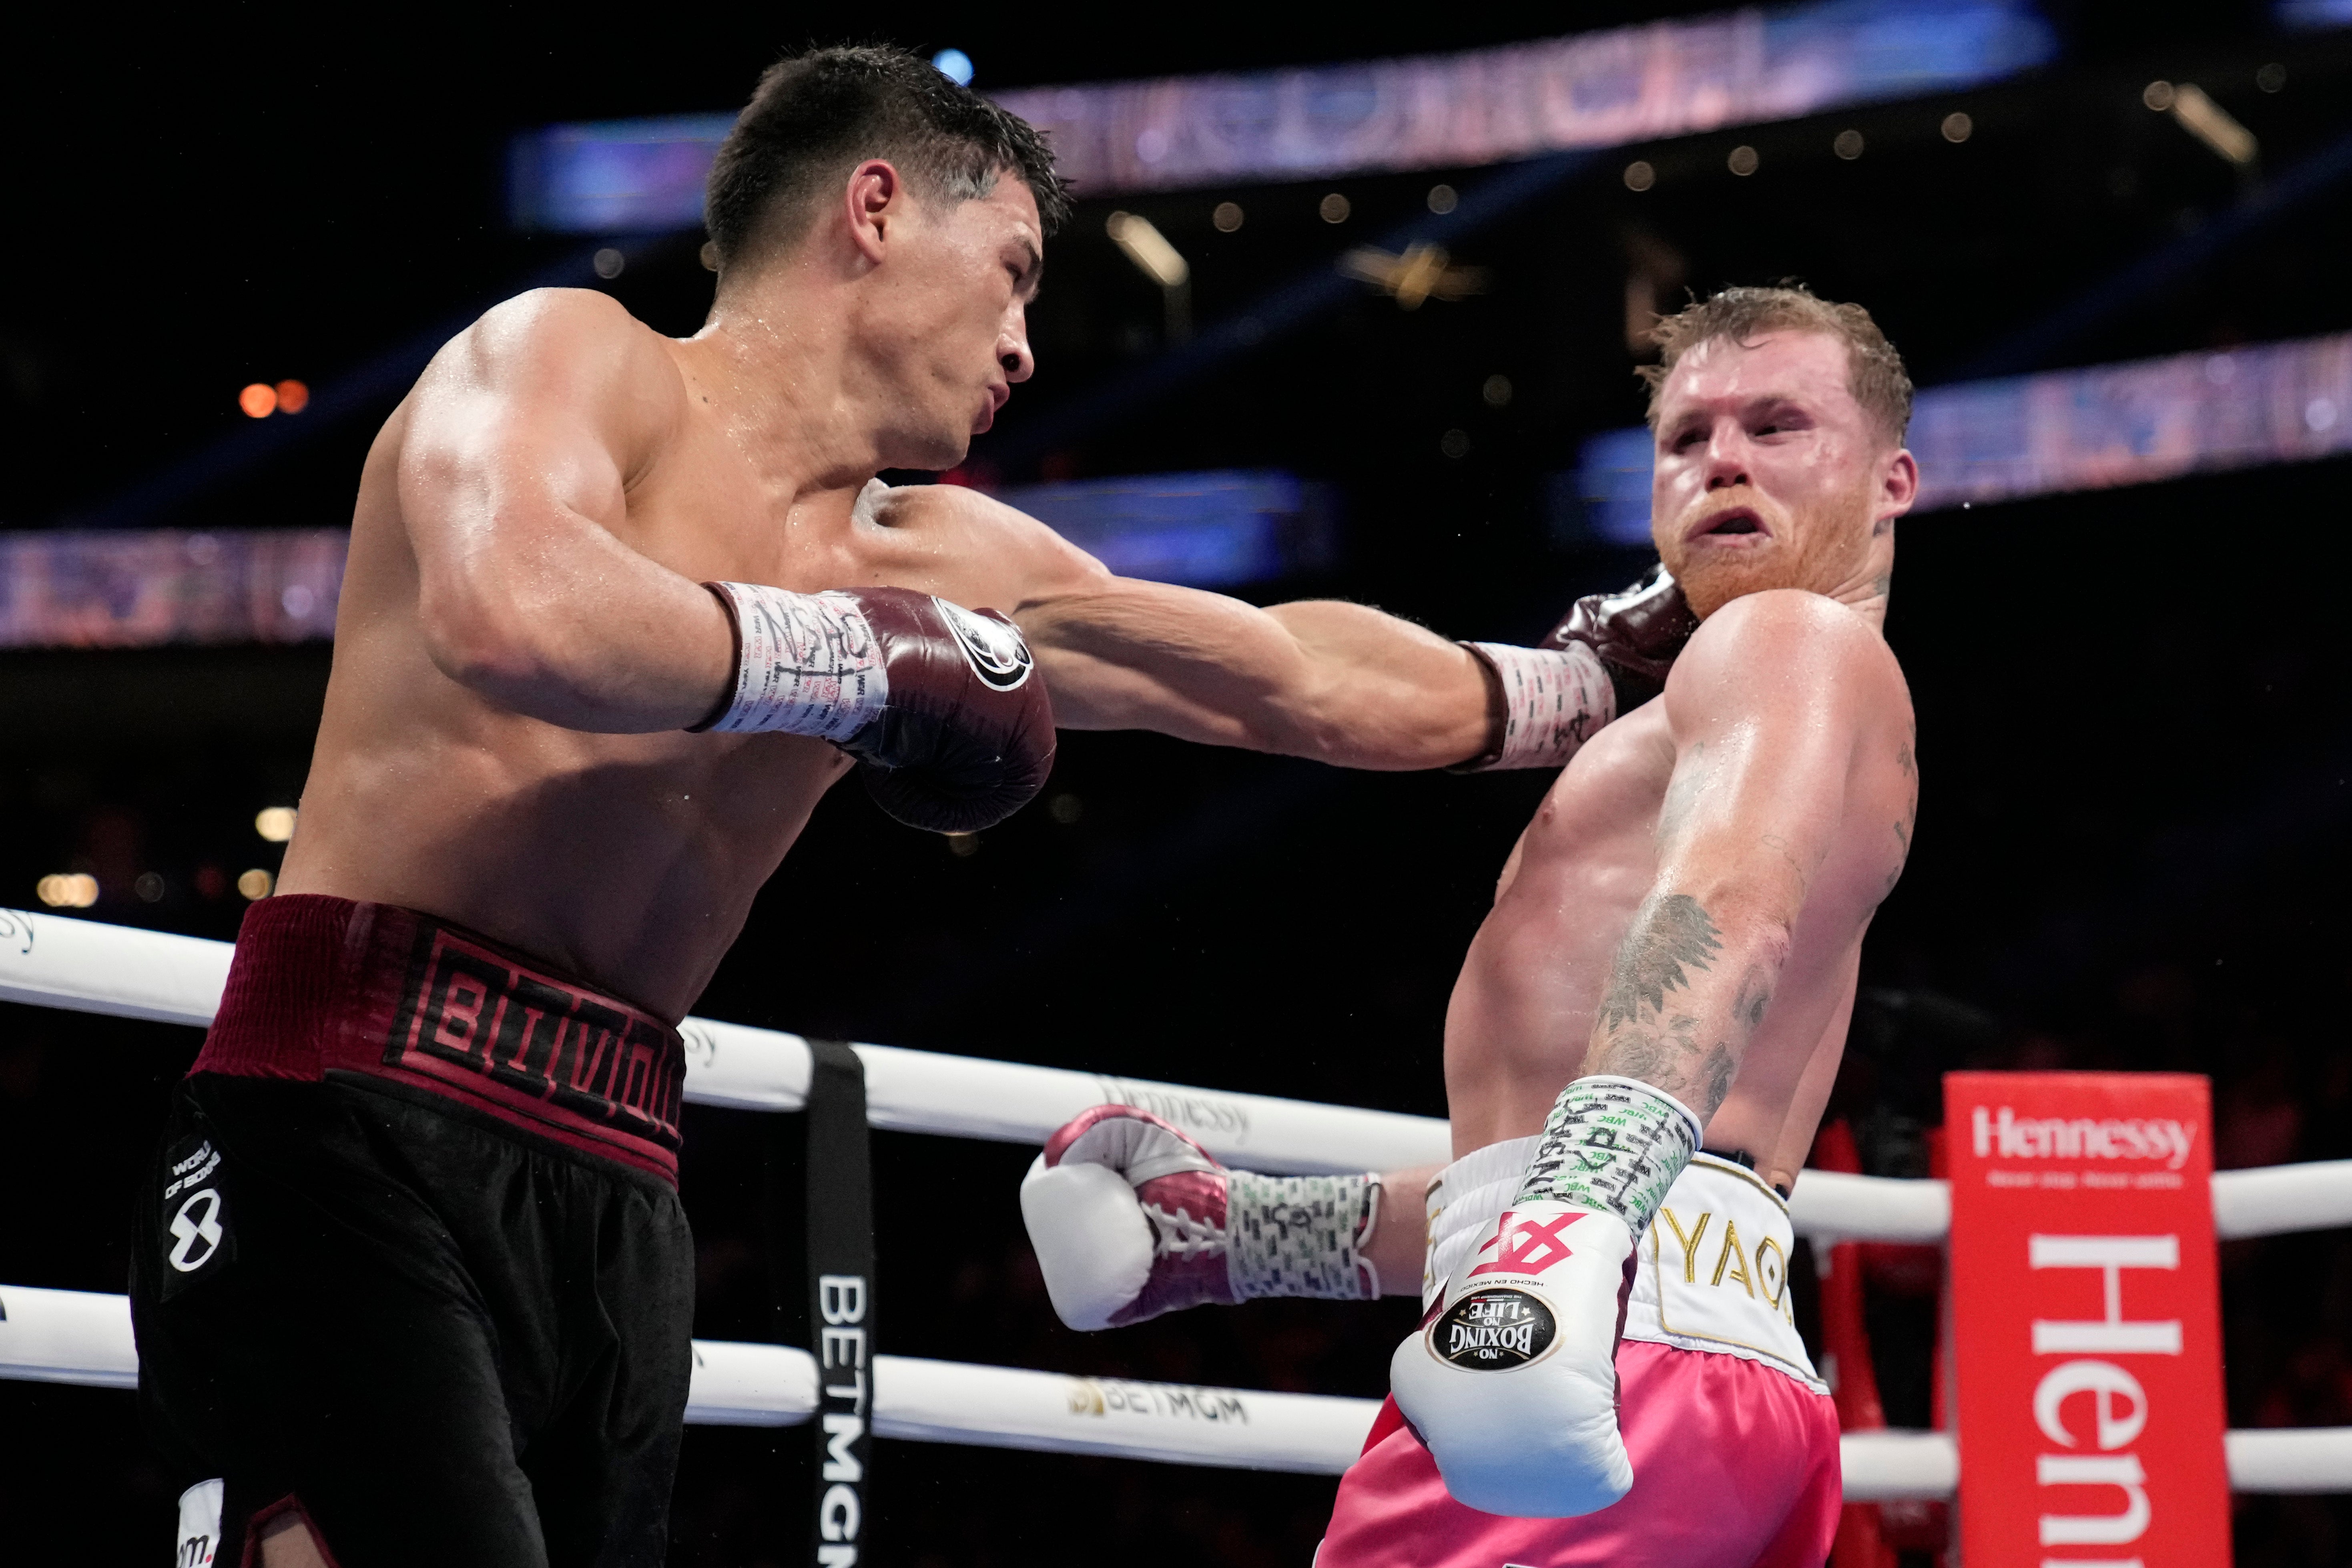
(1874, 372)
(815, 115)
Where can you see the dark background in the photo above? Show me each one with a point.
(2135, 731)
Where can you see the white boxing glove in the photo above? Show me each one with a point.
(1131, 1218)
(1513, 1385)
(1512, 1381)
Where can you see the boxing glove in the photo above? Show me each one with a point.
(1636, 633)
(1607, 658)
(1511, 1382)
(1131, 1218)
(940, 705)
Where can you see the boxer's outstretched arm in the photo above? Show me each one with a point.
(1767, 706)
(1342, 683)
(1339, 682)
(520, 441)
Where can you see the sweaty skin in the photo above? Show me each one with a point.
(1688, 905)
(522, 638)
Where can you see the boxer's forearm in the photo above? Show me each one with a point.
(591, 636)
(1340, 683)
(1399, 1245)
(1689, 987)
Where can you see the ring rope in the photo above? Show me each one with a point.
(90, 967)
(80, 1337)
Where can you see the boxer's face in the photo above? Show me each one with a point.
(1770, 475)
(949, 327)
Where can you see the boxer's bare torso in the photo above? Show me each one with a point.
(1536, 976)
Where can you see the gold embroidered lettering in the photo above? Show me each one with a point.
(1730, 1245)
(1774, 1279)
(1689, 1242)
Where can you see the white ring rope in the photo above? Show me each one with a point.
(90, 967)
(78, 1337)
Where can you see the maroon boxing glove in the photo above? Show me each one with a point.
(1608, 657)
(940, 705)
(1637, 632)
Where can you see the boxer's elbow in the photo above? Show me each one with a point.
(491, 639)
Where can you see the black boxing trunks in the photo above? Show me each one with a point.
(411, 1262)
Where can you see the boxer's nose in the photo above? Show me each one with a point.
(1013, 350)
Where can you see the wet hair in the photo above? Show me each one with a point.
(1874, 372)
(817, 114)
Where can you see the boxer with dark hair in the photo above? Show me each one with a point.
(413, 1284)
(1638, 1047)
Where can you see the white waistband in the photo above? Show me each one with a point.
(1462, 1198)
(1714, 1274)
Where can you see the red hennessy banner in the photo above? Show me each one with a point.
(2087, 1320)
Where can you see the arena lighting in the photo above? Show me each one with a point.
(255, 884)
(2197, 113)
(113, 588)
(1144, 245)
(1431, 112)
(1228, 217)
(293, 396)
(954, 65)
(258, 401)
(67, 889)
(1423, 272)
(275, 822)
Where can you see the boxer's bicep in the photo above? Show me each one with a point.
(1765, 737)
(1764, 727)
(521, 441)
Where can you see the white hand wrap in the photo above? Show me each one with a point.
(1614, 1143)
(1301, 1235)
(806, 664)
(1513, 1383)
(1553, 701)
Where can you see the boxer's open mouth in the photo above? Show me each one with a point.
(1731, 525)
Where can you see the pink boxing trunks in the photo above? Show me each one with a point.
(1733, 1441)
(322, 985)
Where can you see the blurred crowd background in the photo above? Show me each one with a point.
(2135, 732)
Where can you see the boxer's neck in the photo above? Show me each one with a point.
(780, 363)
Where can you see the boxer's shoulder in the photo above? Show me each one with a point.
(1786, 646)
(548, 331)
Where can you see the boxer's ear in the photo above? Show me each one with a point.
(875, 197)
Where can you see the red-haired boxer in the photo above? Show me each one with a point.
(1608, 1372)
(412, 1283)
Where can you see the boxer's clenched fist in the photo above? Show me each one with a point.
(1512, 1381)
(1131, 1218)
(940, 705)
(1607, 658)
(1637, 633)
(1512, 1384)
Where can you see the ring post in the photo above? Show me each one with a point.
(2088, 1320)
(841, 1302)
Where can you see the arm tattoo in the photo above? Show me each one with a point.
(1673, 936)
(1668, 932)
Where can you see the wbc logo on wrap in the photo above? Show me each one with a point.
(2087, 1320)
